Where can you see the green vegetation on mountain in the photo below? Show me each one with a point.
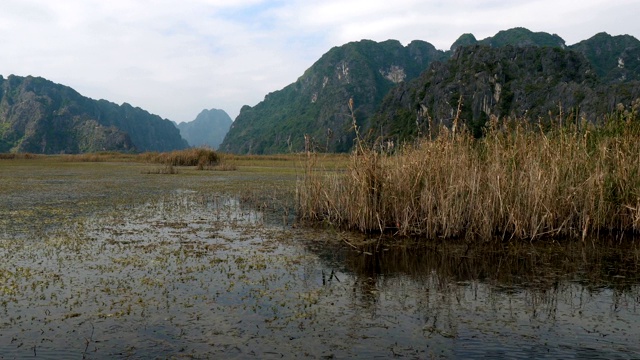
(515, 37)
(396, 89)
(316, 105)
(614, 58)
(208, 129)
(523, 37)
(39, 116)
(464, 40)
(483, 82)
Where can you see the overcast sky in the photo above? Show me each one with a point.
(176, 57)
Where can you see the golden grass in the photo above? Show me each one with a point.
(199, 157)
(105, 156)
(519, 181)
(283, 160)
(18, 156)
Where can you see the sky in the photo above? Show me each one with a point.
(175, 58)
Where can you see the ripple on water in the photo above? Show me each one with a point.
(193, 275)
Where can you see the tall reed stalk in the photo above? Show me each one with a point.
(519, 181)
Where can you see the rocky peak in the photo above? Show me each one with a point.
(464, 40)
(614, 58)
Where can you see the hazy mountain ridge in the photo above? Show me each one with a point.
(208, 129)
(536, 70)
(39, 116)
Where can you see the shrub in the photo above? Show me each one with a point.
(199, 157)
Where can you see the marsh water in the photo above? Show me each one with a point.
(103, 261)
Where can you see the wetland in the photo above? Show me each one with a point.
(104, 260)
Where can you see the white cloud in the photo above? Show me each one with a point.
(441, 22)
(174, 58)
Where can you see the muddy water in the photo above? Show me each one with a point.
(102, 262)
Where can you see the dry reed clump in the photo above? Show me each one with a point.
(200, 157)
(105, 156)
(18, 156)
(519, 181)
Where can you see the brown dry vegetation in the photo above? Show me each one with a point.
(520, 181)
(19, 156)
(106, 156)
(284, 160)
(200, 157)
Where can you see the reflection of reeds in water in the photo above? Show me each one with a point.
(519, 181)
(507, 266)
(540, 273)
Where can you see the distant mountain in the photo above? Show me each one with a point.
(614, 58)
(39, 116)
(532, 82)
(524, 72)
(317, 103)
(208, 129)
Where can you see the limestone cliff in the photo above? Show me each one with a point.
(39, 116)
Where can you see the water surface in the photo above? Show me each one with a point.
(101, 261)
